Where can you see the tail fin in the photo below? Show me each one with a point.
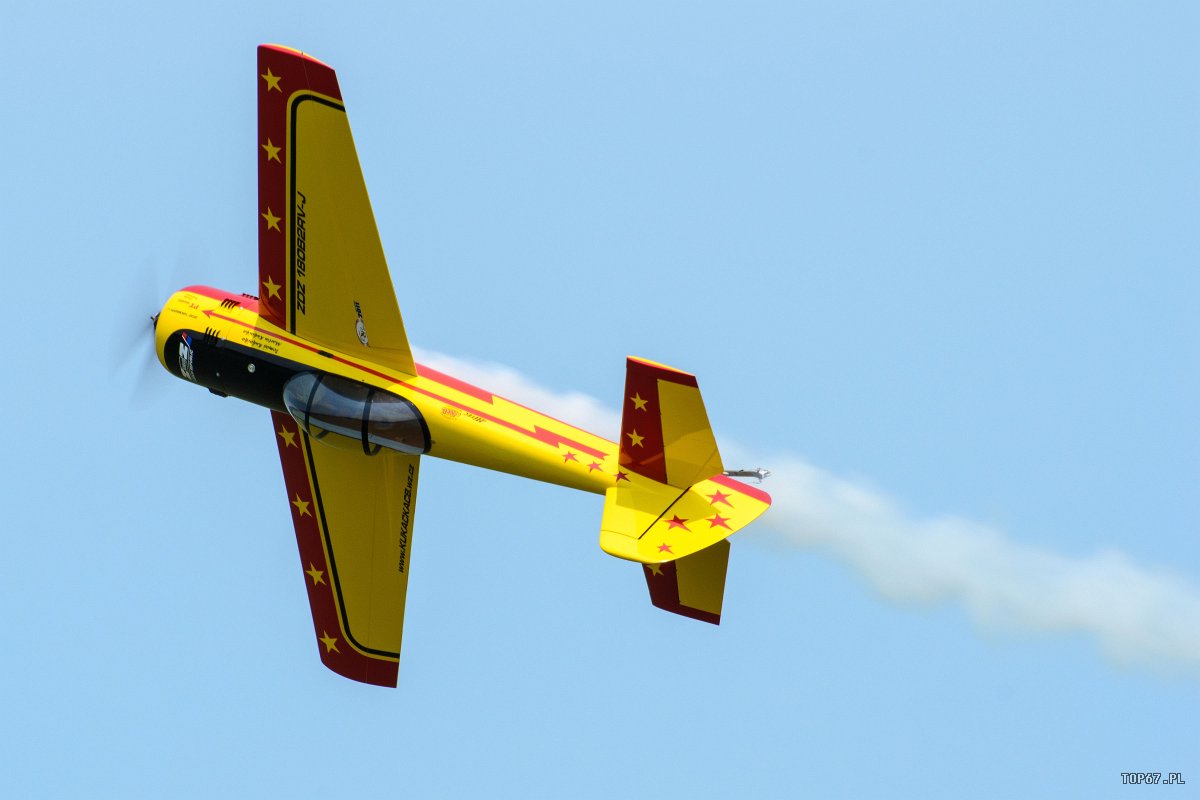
(665, 435)
(672, 507)
(670, 499)
(692, 586)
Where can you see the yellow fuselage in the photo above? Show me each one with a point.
(233, 351)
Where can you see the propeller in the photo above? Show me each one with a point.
(135, 316)
(146, 289)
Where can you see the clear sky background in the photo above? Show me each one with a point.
(935, 263)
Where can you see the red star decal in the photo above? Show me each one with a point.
(718, 522)
(719, 497)
(621, 476)
(595, 465)
(676, 522)
(569, 456)
(664, 548)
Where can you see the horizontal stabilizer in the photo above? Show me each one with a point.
(652, 523)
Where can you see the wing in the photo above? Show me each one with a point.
(353, 516)
(322, 273)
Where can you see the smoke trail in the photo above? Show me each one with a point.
(1138, 615)
(576, 408)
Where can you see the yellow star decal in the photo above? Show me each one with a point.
(318, 575)
(272, 287)
(635, 438)
(655, 569)
(272, 81)
(638, 403)
(272, 220)
(301, 506)
(287, 436)
(330, 643)
(272, 151)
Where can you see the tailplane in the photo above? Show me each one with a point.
(672, 507)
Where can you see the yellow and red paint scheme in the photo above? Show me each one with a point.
(325, 315)
(466, 424)
(677, 532)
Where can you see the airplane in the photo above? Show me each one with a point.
(321, 344)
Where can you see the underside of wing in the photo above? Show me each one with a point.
(322, 272)
(353, 516)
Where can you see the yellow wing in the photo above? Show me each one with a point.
(353, 516)
(322, 272)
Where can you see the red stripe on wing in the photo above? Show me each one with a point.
(335, 650)
(282, 72)
(738, 486)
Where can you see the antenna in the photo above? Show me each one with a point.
(758, 473)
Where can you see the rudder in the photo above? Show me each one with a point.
(693, 586)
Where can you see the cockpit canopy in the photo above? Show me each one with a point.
(357, 415)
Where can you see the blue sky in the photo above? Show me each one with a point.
(935, 263)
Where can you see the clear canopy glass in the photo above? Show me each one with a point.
(357, 415)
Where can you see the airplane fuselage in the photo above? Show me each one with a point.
(219, 340)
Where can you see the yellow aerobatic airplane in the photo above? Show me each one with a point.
(323, 347)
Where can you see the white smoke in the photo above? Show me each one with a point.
(579, 409)
(1138, 615)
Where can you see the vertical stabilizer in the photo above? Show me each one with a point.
(665, 435)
